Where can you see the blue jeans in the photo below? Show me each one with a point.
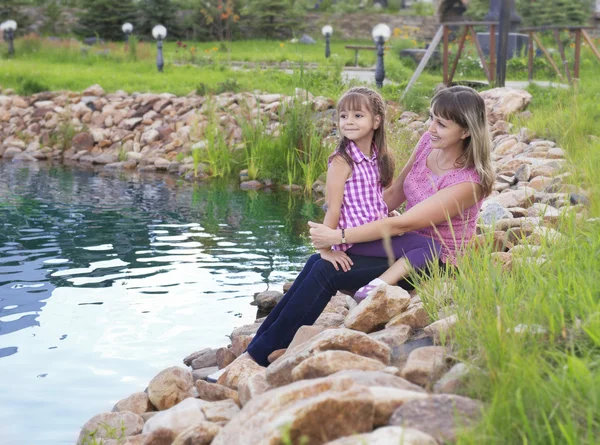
(305, 300)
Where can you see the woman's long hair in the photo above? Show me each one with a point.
(466, 107)
(363, 98)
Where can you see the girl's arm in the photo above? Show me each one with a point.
(337, 174)
(394, 196)
(440, 207)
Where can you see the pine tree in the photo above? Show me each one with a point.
(157, 12)
(272, 18)
(105, 18)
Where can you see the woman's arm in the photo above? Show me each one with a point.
(394, 196)
(440, 207)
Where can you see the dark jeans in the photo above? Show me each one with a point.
(305, 300)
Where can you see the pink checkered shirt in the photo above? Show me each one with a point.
(363, 193)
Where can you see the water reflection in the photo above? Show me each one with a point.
(107, 278)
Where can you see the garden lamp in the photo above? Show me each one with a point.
(381, 33)
(8, 28)
(159, 32)
(327, 31)
(127, 29)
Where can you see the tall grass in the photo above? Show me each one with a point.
(540, 385)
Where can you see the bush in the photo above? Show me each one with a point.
(31, 86)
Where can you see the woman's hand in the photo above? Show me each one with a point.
(336, 257)
(322, 236)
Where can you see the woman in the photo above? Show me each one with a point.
(443, 183)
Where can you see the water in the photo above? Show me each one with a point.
(108, 278)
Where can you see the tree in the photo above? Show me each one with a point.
(542, 12)
(105, 18)
(271, 18)
(12, 10)
(157, 12)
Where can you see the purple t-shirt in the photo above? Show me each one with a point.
(421, 183)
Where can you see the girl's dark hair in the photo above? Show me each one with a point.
(363, 98)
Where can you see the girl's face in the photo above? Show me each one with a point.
(358, 125)
(445, 133)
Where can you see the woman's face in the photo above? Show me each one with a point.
(445, 133)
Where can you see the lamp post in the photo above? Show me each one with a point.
(495, 11)
(327, 31)
(159, 32)
(381, 33)
(8, 28)
(127, 29)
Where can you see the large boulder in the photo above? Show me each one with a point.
(329, 362)
(387, 400)
(212, 392)
(178, 418)
(390, 435)
(170, 387)
(137, 403)
(280, 371)
(253, 386)
(382, 304)
(320, 410)
(441, 416)
(103, 426)
(239, 371)
(425, 365)
(202, 433)
(503, 102)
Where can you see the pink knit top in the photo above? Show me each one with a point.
(421, 183)
(363, 193)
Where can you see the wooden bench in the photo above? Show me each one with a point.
(357, 48)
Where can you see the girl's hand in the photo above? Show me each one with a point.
(393, 213)
(322, 236)
(336, 258)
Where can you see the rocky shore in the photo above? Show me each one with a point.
(373, 373)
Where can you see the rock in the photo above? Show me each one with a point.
(523, 173)
(505, 146)
(275, 355)
(380, 306)
(279, 372)
(307, 40)
(287, 285)
(516, 198)
(387, 400)
(203, 373)
(23, 157)
(240, 344)
(105, 158)
(330, 362)
(251, 185)
(255, 385)
(439, 415)
(220, 411)
(267, 300)
(393, 336)
(179, 417)
(379, 378)
(224, 357)
(130, 124)
(94, 90)
(453, 380)
(329, 320)
(415, 316)
(440, 330)
(213, 392)
(248, 329)
(102, 426)
(149, 136)
(202, 433)
(424, 365)
(206, 356)
(503, 260)
(238, 372)
(493, 211)
(503, 102)
(389, 435)
(304, 334)
(302, 407)
(137, 403)
(82, 141)
(169, 387)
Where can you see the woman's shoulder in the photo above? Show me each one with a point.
(466, 174)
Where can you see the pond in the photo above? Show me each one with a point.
(108, 278)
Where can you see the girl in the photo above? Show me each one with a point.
(443, 184)
(359, 169)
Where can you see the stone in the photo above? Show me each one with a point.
(240, 370)
(503, 102)
(101, 425)
(505, 146)
(267, 300)
(394, 335)
(523, 173)
(94, 90)
(251, 185)
(307, 40)
(213, 392)
(387, 400)
(503, 260)
(23, 157)
(517, 198)
(203, 373)
(169, 387)
(275, 355)
(302, 407)
(253, 386)
(220, 411)
(248, 329)
(240, 344)
(105, 158)
(415, 316)
(380, 306)
(425, 365)
(179, 417)
(441, 415)
(224, 357)
(379, 378)
(207, 357)
(202, 433)
(330, 362)
(149, 136)
(329, 320)
(389, 435)
(441, 330)
(137, 403)
(279, 372)
(453, 380)
(82, 141)
(493, 211)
